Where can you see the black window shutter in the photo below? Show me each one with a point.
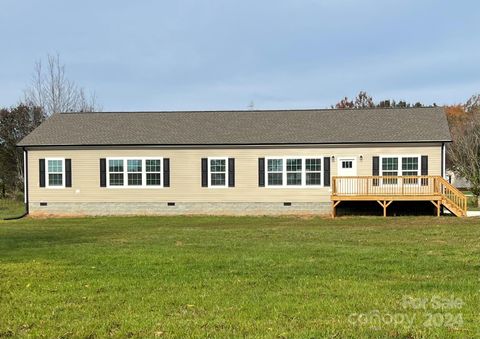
(261, 172)
(166, 172)
(375, 169)
(231, 172)
(103, 172)
(41, 167)
(424, 169)
(376, 166)
(326, 171)
(68, 172)
(204, 172)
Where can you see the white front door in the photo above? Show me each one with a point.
(347, 167)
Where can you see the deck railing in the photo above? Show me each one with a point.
(385, 186)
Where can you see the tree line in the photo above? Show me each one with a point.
(364, 100)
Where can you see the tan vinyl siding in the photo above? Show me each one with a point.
(185, 173)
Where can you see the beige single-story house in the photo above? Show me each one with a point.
(236, 162)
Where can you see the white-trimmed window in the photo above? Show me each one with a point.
(313, 171)
(217, 172)
(274, 172)
(55, 172)
(400, 166)
(294, 172)
(115, 172)
(410, 167)
(153, 169)
(134, 172)
(390, 169)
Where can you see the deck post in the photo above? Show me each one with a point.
(384, 204)
(438, 205)
(334, 207)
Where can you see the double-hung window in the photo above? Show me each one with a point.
(218, 172)
(55, 173)
(134, 172)
(153, 168)
(410, 168)
(400, 166)
(313, 172)
(115, 172)
(390, 169)
(275, 172)
(294, 171)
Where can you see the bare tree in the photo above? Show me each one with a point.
(51, 90)
(362, 100)
(344, 104)
(473, 103)
(464, 154)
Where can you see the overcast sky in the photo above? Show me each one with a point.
(223, 54)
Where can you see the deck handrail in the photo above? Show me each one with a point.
(385, 176)
(453, 194)
(453, 188)
(385, 185)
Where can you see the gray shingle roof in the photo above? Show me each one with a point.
(326, 126)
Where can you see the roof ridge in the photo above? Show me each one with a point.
(262, 110)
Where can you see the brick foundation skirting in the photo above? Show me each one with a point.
(180, 208)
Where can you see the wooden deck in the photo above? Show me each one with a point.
(386, 189)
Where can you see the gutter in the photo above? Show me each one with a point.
(233, 145)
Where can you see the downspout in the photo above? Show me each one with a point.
(25, 179)
(444, 175)
(25, 186)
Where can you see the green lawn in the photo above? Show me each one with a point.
(471, 201)
(11, 208)
(224, 277)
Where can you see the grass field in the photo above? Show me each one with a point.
(471, 202)
(11, 208)
(224, 277)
